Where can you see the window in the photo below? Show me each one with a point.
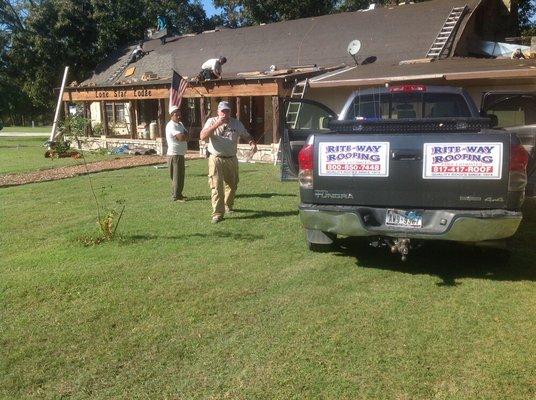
(441, 105)
(115, 113)
(370, 107)
(512, 109)
(408, 105)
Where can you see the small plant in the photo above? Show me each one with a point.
(74, 125)
(97, 129)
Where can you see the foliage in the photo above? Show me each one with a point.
(74, 125)
(41, 37)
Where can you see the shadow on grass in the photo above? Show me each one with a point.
(129, 239)
(246, 196)
(452, 261)
(255, 214)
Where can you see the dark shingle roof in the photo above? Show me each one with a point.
(452, 68)
(391, 34)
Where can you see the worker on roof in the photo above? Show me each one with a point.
(211, 69)
(137, 53)
(518, 54)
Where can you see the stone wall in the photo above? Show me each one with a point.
(97, 143)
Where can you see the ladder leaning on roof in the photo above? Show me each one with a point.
(294, 108)
(292, 114)
(442, 43)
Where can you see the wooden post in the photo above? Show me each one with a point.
(104, 118)
(202, 111)
(161, 118)
(238, 108)
(87, 116)
(277, 104)
(133, 118)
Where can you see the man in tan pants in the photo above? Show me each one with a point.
(222, 133)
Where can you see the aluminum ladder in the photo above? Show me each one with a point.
(294, 108)
(441, 46)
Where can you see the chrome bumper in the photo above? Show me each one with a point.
(455, 225)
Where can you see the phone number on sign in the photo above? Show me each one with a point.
(465, 169)
(353, 167)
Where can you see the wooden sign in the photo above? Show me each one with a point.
(116, 94)
(141, 93)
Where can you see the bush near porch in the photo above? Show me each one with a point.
(179, 308)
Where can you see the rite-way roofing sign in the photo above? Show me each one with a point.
(463, 160)
(364, 159)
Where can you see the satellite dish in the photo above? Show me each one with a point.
(353, 48)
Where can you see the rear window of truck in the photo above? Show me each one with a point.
(408, 105)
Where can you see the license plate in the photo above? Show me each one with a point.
(407, 219)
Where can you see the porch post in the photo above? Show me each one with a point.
(238, 108)
(161, 118)
(202, 107)
(87, 116)
(133, 118)
(104, 118)
(276, 107)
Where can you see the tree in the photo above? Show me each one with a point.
(43, 36)
(248, 12)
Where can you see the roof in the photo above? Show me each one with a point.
(456, 68)
(390, 34)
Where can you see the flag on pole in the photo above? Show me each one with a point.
(178, 86)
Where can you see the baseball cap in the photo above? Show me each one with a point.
(224, 105)
(172, 109)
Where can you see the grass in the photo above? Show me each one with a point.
(28, 129)
(182, 309)
(25, 154)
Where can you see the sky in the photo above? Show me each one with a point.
(209, 8)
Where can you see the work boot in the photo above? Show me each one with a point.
(216, 219)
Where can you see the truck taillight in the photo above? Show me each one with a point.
(519, 158)
(305, 162)
(407, 89)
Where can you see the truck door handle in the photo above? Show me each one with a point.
(406, 155)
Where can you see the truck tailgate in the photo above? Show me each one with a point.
(414, 170)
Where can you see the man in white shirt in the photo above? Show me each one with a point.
(222, 133)
(177, 142)
(211, 69)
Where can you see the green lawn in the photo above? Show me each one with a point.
(29, 129)
(182, 309)
(25, 154)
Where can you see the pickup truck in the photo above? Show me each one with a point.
(403, 164)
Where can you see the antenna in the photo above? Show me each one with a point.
(353, 48)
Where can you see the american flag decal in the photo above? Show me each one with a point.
(178, 86)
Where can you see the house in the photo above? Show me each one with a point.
(434, 42)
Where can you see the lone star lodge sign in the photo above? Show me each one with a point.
(117, 94)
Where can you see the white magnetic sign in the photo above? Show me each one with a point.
(475, 160)
(362, 159)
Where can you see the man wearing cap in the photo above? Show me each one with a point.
(222, 133)
(177, 142)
